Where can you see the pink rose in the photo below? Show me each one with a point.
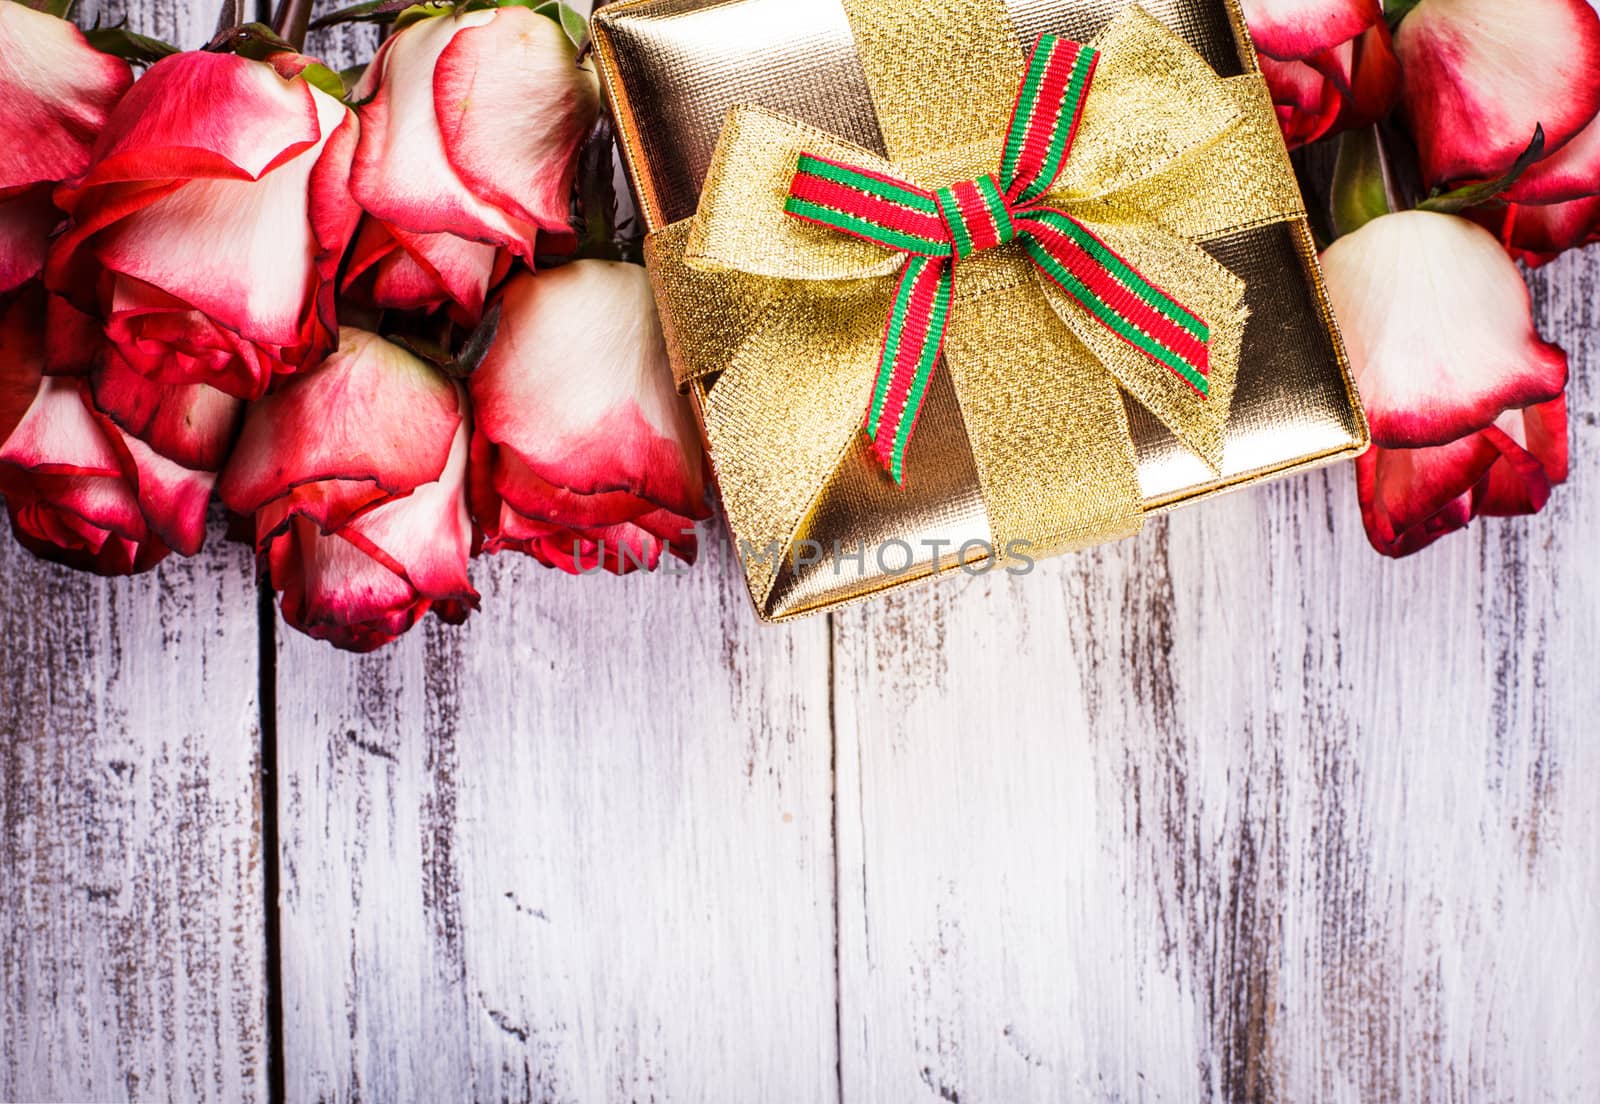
(58, 91)
(1466, 402)
(451, 193)
(355, 475)
(584, 456)
(80, 488)
(1329, 64)
(1481, 75)
(209, 227)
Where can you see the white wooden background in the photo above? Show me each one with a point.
(1235, 811)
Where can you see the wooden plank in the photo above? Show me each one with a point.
(579, 850)
(132, 955)
(1236, 810)
(132, 918)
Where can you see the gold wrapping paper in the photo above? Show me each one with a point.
(674, 68)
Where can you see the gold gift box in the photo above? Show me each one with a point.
(672, 69)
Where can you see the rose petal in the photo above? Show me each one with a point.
(1533, 459)
(1572, 172)
(1412, 497)
(59, 436)
(1539, 233)
(201, 114)
(1439, 326)
(577, 384)
(372, 422)
(1293, 29)
(1480, 75)
(531, 106)
(172, 498)
(21, 359)
(58, 90)
(401, 173)
(26, 222)
(241, 251)
(192, 425)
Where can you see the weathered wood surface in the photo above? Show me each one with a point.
(132, 912)
(1236, 811)
(580, 851)
(1233, 811)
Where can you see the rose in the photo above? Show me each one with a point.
(80, 488)
(58, 91)
(354, 473)
(1329, 64)
(452, 192)
(1466, 405)
(1481, 75)
(584, 456)
(209, 226)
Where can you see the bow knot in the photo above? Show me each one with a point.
(976, 216)
(938, 229)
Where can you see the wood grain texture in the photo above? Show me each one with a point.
(580, 850)
(1235, 810)
(132, 961)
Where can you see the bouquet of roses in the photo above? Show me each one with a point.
(1469, 137)
(358, 314)
(384, 315)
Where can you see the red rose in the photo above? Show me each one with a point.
(1468, 417)
(1329, 64)
(58, 91)
(1481, 75)
(355, 474)
(452, 193)
(210, 224)
(79, 488)
(584, 456)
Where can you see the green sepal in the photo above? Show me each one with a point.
(318, 75)
(476, 347)
(120, 42)
(255, 41)
(1360, 182)
(1454, 202)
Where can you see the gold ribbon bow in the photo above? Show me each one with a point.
(787, 317)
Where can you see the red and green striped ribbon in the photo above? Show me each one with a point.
(941, 228)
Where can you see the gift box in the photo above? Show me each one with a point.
(960, 284)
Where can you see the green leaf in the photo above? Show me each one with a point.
(1454, 202)
(120, 42)
(416, 13)
(1360, 187)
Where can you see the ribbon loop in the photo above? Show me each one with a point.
(941, 229)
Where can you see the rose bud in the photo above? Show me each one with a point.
(209, 226)
(58, 91)
(355, 474)
(79, 489)
(1465, 400)
(1481, 75)
(453, 194)
(1329, 64)
(584, 456)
